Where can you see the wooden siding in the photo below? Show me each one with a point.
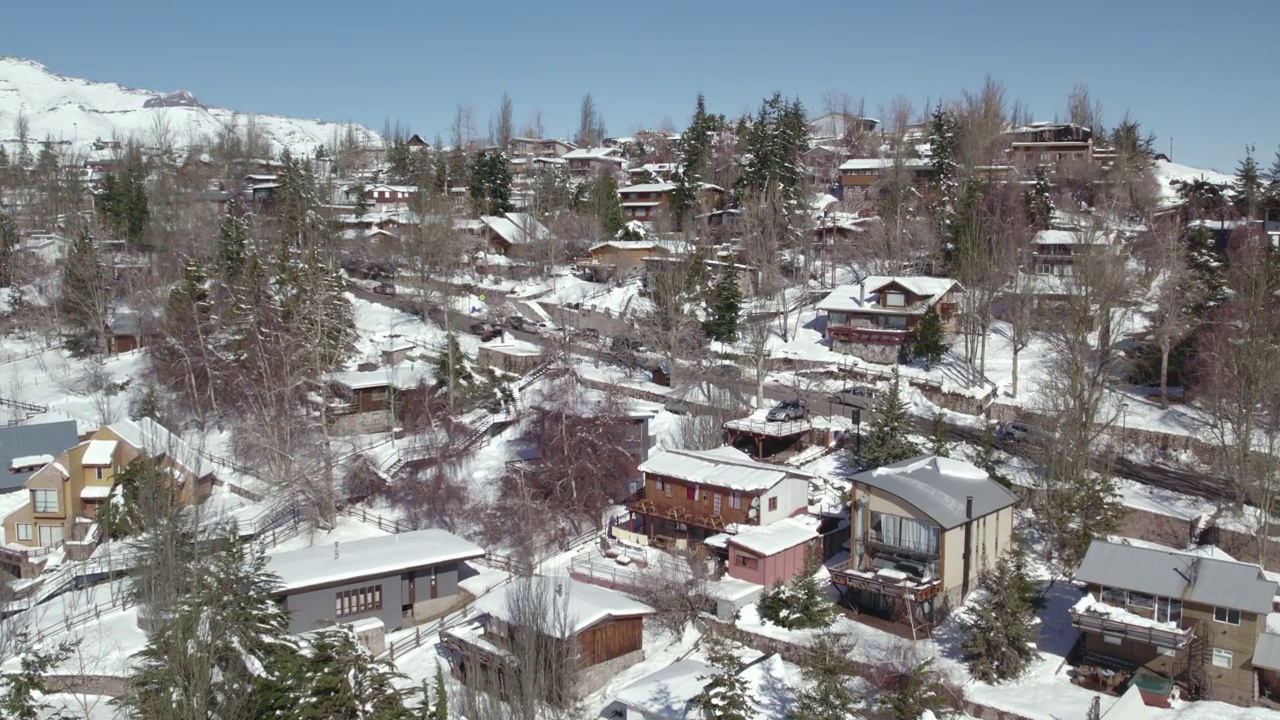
(609, 640)
(704, 505)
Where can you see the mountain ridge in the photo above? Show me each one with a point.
(77, 112)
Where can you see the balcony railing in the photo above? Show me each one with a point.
(870, 336)
(1143, 632)
(677, 513)
(926, 551)
(888, 583)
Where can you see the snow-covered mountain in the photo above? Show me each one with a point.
(78, 112)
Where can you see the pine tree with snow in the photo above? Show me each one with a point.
(1039, 200)
(943, 132)
(233, 243)
(8, 246)
(802, 603)
(603, 202)
(47, 159)
(24, 693)
(985, 457)
(1209, 268)
(441, 709)
(4, 157)
(929, 341)
(725, 696)
(695, 151)
(1248, 185)
(887, 441)
(939, 446)
(825, 694)
(339, 679)
(82, 296)
(1002, 633)
(490, 183)
(918, 693)
(362, 205)
(724, 306)
(1273, 175)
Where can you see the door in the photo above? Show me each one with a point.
(50, 535)
(715, 505)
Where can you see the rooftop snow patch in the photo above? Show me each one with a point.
(369, 558)
(579, 604)
(30, 461)
(99, 453)
(865, 296)
(779, 537)
(723, 467)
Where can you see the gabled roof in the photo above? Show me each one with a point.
(99, 453)
(582, 605)
(154, 440)
(369, 558)
(724, 467)
(661, 187)
(1172, 574)
(27, 441)
(516, 228)
(939, 487)
(1266, 653)
(596, 153)
(865, 296)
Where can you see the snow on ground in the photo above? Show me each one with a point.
(1167, 172)
(66, 385)
(104, 645)
(346, 529)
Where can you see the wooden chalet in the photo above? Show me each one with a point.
(689, 495)
(600, 629)
(876, 317)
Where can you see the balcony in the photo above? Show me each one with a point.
(867, 336)
(1091, 616)
(878, 545)
(887, 582)
(678, 514)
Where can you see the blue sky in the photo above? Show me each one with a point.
(1196, 72)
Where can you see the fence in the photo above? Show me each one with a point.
(386, 524)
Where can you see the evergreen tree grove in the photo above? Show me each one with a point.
(490, 185)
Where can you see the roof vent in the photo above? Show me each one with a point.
(335, 549)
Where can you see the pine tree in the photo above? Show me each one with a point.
(918, 693)
(1001, 629)
(296, 203)
(695, 150)
(1209, 267)
(82, 303)
(942, 149)
(4, 157)
(47, 159)
(490, 185)
(219, 649)
(233, 243)
(1039, 201)
(725, 695)
(724, 306)
(441, 709)
(1248, 185)
(772, 146)
(985, 458)
(887, 440)
(802, 603)
(603, 202)
(22, 693)
(1273, 175)
(8, 246)
(122, 203)
(826, 694)
(339, 679)
(362, 201)
(929, 343)
(938, 432)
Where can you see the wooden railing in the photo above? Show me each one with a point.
(846, 575)
(1096, 622)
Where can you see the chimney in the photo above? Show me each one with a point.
(335, 549)
(968, 547)
(862, 293)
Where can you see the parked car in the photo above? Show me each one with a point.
(385, 289)
(516, 322)
(786, 411)
(486, 331)
(1010, 432)
(859, 396)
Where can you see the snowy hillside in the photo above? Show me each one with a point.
(1167, 172)
(79, 111)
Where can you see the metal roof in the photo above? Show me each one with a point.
(1171, 574)
(722, 467)
(939, 488)
(28, 440)
(1266, 654)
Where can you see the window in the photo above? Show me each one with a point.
(49, 535)
(1223, 658)
(98, 473)
(746, 561)
(1142, 600)
(1229, 616)
(24, 531)
(378, 395)
(659, 483)
(1113, 596)
(352, 602)
(1168, 610)
(691, 492)
(735, 501)
(668, 491)
(45, 501)
(773, 504)
(895, 299)
(1112, 639)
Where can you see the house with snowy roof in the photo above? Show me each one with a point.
(922, 533)
(69, 490)
(589, 161)
(599, 631)
(396, 579)
(368, 401)
(873, 319)
(622, 258)
(670, 693)
(768, 555)
(512, 234)
(540, 147)
(642, 202)
(1048, 144)
(860, 174)
(1056, 251)
(690, 495)
(1190, 618)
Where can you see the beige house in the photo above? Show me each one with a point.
(65, 494)
(923, 532)
(1200, 621)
